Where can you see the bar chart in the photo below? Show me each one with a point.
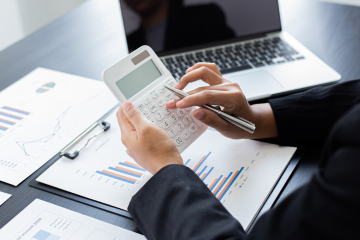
(221, 184)
(10, 116)
(44, 235)
(126, 171)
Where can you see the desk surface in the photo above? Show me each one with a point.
(86, 41)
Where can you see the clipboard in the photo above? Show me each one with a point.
(268, 202)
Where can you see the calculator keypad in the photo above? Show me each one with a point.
(161, 101)
(153, 107)
(180, 112)
(147, 101)
(168, 96)
(173, 118)
(166, 111)
(172, 132)
(159, 115)
(179, 124)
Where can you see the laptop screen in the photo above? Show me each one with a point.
(171, 25)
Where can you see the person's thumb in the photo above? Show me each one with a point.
(134, 114)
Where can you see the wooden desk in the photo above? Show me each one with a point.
(86, 41)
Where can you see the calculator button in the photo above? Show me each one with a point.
(147, 101)
(171, 82)
(165, 124)
(193, 128)
(180, 112)
(140, 106)
(153, 107)
(187, 120)
(161, 101)
(162, 89)
(168, 95)
(195, 120)
(173, 118)
(166, 111)
(172, 132)
(179, 126)
(145, 113)
(186, 134)
(154, 94)
(188, 109)
(178, 140)
(159, 115)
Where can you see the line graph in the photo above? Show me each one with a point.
(22, 144)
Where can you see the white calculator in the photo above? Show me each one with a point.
(140, 78)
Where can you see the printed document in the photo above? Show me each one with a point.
(40, 114)
(240, 173)
(45, 221)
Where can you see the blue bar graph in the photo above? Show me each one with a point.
(202, 171)
(187, 162)
(202, 162)
(118, 178)
(43, 235)
(216, 183)
(10, 116)
(7, 122)
(130, 166)
(228, 177)
(128, 173)
(15, 110)
(3, 128)
(208, 173)
(231, 183)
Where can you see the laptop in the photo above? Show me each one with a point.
(244, 38)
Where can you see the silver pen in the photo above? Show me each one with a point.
(230, 117)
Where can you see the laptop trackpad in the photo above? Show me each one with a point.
(255, 84)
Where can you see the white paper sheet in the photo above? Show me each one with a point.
(261, 165)
(45, 221)
(4, 197)
(40, 114)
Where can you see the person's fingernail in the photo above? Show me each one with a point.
(126, 106)
(180, 103)
(199, 114)
(189, 69)
(177, 85)
(171, 102)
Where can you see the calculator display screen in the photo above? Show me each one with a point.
(138, 79)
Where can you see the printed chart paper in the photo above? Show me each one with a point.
(240, 173)
(40, 114)
(4, 197)
(45, 221)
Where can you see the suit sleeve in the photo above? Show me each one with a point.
(175, 204)
(305, 118)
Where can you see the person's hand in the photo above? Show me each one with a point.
(230, 97)
(146, 143)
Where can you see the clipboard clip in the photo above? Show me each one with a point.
(72, 156)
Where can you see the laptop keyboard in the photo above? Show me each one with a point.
(237, 57)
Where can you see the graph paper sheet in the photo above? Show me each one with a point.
(45, 221)
(240, 173)
(40, 114)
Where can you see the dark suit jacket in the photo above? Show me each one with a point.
(188, 26)
(328, 207)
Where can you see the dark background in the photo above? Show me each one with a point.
(86, 41)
